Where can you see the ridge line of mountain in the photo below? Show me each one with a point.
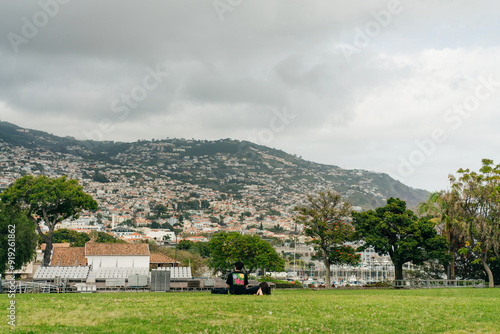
(230, 166)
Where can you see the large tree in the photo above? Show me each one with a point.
(475, 198)
(228, 248)
(18, 238)
(48, 201)
(326, 221)
(440, 209)
(396, 231)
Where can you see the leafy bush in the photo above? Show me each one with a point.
(282, 284)
(378, 285)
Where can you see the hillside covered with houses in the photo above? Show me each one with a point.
(175, 188)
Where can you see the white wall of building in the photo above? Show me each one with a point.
(159, 234)
(97, 261)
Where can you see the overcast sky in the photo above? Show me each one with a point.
(408, 88)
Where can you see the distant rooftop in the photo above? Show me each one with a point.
(93, 249)
(67, 257)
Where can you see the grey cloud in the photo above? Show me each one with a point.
(226, 77)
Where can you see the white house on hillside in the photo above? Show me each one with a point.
(159, 234)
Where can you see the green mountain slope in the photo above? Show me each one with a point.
(229, 166)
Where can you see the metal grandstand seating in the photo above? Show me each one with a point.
(178, 272)
(84, 288)
(68, 273)
(160, 280)
(137, 281)
(104, 273)
(115, 283)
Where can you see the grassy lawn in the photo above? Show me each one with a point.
(286, 311)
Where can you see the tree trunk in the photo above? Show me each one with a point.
(398, 271)
(328, 285)
(452, 266)
(48, 247)
(489, 273)
(47, 254)
(451, 269)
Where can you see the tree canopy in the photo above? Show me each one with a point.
(228, 248)
(475, 201)
(185, 244)
(202, 248)
(48, 201)
(396, 231)
(326, 220)
(78, 239)
(440, 211)
(18, 238)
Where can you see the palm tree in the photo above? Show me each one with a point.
(440, 208)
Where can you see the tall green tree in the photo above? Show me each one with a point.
(18, 238)
(48, 201)
(326, 221)
(475, 198)
(228, 248)
(397, 231)
(439, 207)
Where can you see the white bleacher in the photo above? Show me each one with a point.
(84, 288)
(69, 273)
(178, 272)
(103, 273)
(137, 280)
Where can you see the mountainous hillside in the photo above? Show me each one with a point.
(240, 169)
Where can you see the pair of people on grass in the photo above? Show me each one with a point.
(237, 282)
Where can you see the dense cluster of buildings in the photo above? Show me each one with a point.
(131, 195)
(149, 175)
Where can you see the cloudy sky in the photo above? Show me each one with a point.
(408, 88)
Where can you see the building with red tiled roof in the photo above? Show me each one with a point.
(159, 260)
(133, 236)
(117, 255)
(94, 248)
(41, 250)
(67, 257)
(197, 238)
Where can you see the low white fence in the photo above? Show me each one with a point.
(439, 283)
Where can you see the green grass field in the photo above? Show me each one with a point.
(286, 311)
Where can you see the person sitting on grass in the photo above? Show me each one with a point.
(262, 289)
(237, 281)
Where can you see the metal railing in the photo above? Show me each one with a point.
(438, 283)
(39, 287)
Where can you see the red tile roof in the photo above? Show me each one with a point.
(92, 248)
(160, 258)
(55, 245)
(67, 257)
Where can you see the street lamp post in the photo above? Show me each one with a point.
(294, 251)
(175, 250)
